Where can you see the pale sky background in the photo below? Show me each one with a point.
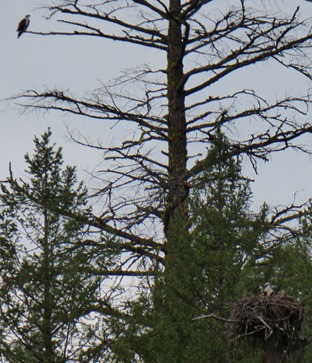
(77, 63)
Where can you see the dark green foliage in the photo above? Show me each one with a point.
(55, 308)
(45, 289)
(226, 254)
(210, 265)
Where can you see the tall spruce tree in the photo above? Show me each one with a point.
(46, 292)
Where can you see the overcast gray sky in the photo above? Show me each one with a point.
(33, 62)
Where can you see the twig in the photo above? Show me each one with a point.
(213, 316)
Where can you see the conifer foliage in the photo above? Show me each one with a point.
(44, 291)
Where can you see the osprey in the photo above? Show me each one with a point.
(23, 25)
(267, 290)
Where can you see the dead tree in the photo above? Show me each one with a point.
(179, 107)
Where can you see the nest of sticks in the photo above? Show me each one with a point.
(261, 317)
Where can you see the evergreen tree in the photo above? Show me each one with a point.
(216, 265)
(46, 291)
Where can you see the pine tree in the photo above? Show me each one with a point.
(46, 290)
(216, 266)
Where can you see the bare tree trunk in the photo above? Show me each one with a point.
(47, 308)
(177, 144)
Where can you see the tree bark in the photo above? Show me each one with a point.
(177, 142)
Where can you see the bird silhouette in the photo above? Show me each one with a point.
(23, 25)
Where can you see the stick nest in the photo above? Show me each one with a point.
(260, 317)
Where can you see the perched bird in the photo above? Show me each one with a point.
(267, 290)
(23, 25)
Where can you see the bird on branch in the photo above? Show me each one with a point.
(23, 25)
